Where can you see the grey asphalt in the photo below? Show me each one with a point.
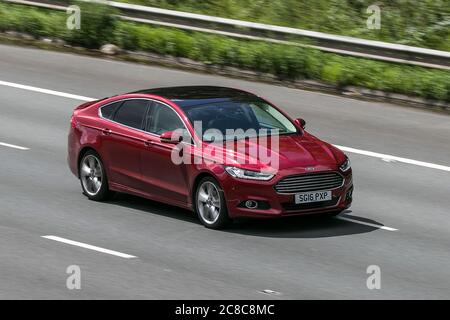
(177, 258)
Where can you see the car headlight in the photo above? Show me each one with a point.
(345, 165)
(248, 174)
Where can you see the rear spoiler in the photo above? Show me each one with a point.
(89, 103)
(85, 105)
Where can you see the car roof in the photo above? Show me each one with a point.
(191, 95)
(196, 92)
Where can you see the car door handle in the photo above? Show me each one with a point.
(106, 131)
(149, 143)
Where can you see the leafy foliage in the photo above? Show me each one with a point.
(424, 23)
(98, 24)
(286, 62)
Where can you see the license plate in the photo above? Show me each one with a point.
(316, 196)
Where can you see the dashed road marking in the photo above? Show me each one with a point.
(13, 146)
(366, 223)
(45, 91)
(90, 247)
(270, 292)
(387, 157)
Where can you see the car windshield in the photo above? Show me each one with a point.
(236, 119)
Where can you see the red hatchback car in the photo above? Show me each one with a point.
(221, 152)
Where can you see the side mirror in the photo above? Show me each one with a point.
(300, 123)
(170, 137)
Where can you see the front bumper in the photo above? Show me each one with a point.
(273, 204)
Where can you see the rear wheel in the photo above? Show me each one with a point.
(210, 204)
(93, 177)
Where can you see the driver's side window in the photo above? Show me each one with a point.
(163, 119)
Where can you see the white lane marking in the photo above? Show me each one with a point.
(366, 223)
(90, 247)
(395, 158)
(45, 91)
(348, 149)
(13, 146)
(271, 292)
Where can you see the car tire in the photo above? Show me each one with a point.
(94, 181)
(210, 204)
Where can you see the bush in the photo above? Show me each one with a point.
(435, 87)
(97, 25)
(286, 62)
(35, 22)
(411, 22)
(332, 73)
(127, 36)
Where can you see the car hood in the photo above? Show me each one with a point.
(292, 151)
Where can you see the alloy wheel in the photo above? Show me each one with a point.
(91, 174)
(208, 202)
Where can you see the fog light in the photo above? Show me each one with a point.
(251, 204)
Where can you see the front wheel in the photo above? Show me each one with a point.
(210, 204)
(93, 177)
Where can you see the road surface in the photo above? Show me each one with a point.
(173, 256)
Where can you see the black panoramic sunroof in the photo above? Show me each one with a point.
(197, 93)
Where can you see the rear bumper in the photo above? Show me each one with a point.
(73, 148)
(273, 204)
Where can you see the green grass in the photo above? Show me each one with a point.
(286, 62)
(424, 23)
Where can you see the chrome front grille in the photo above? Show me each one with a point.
(310, 182)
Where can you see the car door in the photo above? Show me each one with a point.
(161, 176)
(122, 141)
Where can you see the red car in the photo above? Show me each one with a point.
(222, 152)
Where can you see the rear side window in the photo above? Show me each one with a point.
(109, 110)
(132, 113)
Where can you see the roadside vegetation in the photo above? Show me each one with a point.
(424, 23)
(286, 62)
